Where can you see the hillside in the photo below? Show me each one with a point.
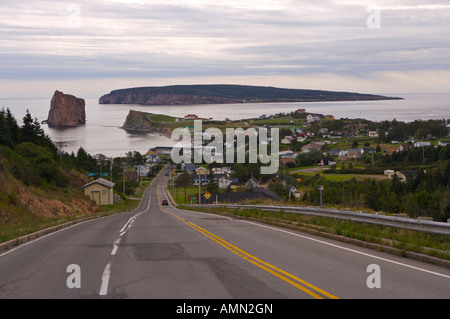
(37, 187)
(223, 94)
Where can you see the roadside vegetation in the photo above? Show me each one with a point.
(40, 186)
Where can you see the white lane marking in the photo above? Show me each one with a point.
(123, 229)
(105, 280)
(107, 272)
(116, 245)
(348, 249)
(149, 200)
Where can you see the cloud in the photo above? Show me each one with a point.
(152, 39)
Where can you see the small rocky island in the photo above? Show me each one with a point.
(66, 110)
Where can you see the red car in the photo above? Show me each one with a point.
(165, 202)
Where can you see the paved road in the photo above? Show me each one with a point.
(160, 252)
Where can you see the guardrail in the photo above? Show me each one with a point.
(423, 225)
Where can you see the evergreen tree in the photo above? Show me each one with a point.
(13, 127)
(5, 137)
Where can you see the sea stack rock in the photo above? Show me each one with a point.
(66, 110)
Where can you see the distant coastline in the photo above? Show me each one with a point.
(228, 94)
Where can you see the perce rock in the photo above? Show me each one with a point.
(66, 110)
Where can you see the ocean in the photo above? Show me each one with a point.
(102, 133)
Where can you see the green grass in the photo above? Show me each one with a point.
(338, 177)
(178, 194)
(161, 118)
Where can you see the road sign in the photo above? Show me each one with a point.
(194, 199)
(207, 195)
(321, 188)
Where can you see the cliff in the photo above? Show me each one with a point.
(223, 94)
(139, 122)
(66, 110)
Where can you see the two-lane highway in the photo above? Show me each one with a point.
(161, 252)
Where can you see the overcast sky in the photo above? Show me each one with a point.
(91, 47)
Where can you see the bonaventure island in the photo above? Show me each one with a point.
(386, 167)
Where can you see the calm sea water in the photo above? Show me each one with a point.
(102, 133)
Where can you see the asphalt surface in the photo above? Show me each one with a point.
(160, 252)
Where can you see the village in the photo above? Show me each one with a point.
(311, 145)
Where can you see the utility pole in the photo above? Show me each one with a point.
(124, 171)
(423, 154)
(199, 189)
(110, 169)
(321, 188)
(60, 147)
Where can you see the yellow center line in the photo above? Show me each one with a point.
(285, 276)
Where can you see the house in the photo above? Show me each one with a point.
(163, 150)
(389, 172)
(292, 192)
(100, 191)
(422, 144)
(288, 154)
(286, 160)
(142, 170)
(286, 140)
(354, 153)
(188, 167)
(403, 176)
(204, 179)
(405, 147)
(300, 111)
(327, 161)
(312, 118)
(201, 171)
(224, 182)
(153, 159)
(338, 152)
(152, 151)
(368, 150)
(311, 146)
(191, 117)
(252, 183)
(335, 135)
(444, 143)
(373, 134)
(225, 170)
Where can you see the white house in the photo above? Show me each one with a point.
(225, 170)
(422, 144)
(443, 143)
(312, 118)
(286, 140)
(293, 192)
(224, 182)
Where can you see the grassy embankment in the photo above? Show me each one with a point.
(27, 209)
